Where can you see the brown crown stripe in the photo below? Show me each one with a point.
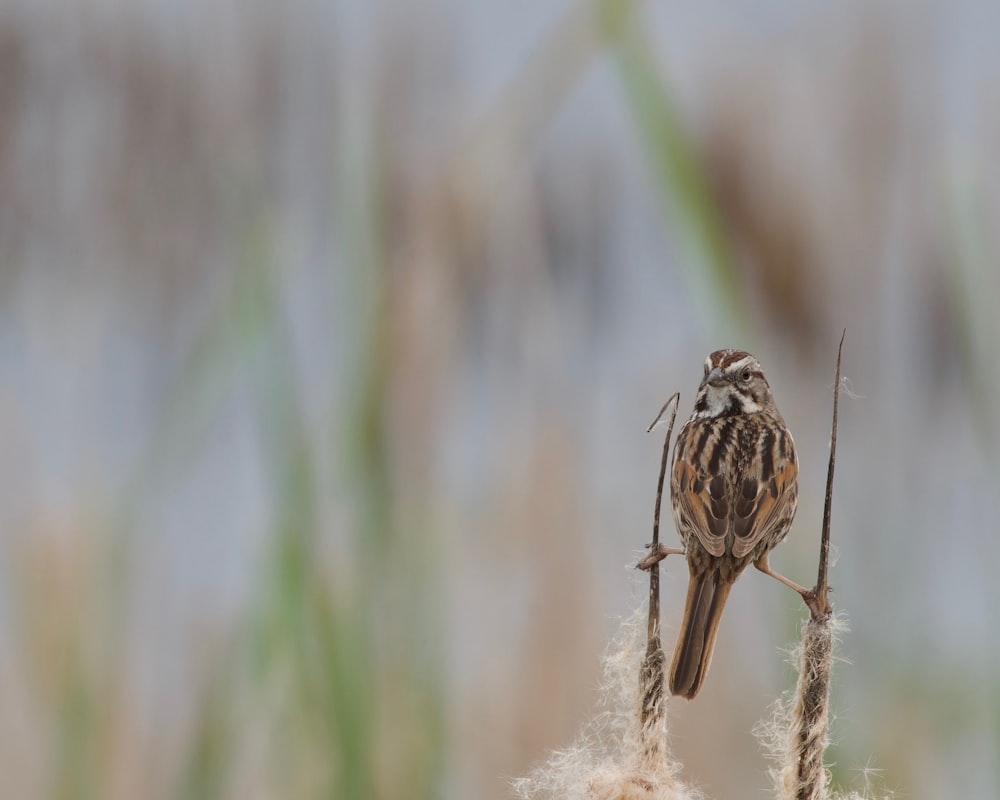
(726, 358)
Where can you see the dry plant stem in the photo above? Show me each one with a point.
(820, 605)
(804, 776)
(653, 630)
(651, 672)
(660, 551)
(651, 675)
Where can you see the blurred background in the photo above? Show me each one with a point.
(330, 333)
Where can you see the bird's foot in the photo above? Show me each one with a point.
(660, 553)
(763, 565)
(818, 604)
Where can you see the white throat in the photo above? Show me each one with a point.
(717, 401)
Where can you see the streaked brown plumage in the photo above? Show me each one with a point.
(733, 488)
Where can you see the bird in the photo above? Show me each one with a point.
(733, 492)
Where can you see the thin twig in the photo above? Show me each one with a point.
(804, 775)
(653, 627)
(674, 398)
(651, 671)
(820, 605)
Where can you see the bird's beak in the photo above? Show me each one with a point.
(716, 377)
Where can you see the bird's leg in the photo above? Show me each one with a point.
(763, 565)
(654, 558)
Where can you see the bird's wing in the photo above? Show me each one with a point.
(701, 505)
(760, 502)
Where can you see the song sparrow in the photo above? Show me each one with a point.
(733, 488)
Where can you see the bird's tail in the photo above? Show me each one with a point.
(706, 598)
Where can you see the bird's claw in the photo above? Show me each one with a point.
(819, 607)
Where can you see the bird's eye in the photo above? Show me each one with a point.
(745, 375)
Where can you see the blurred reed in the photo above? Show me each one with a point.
(241, 200)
